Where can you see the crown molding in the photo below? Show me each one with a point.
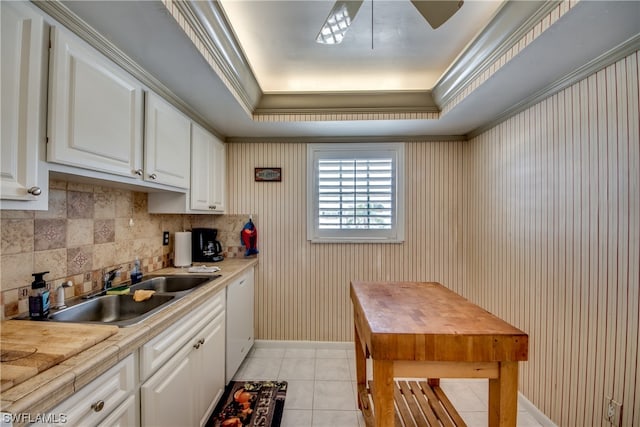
(613, 55)
(58, 11)
(209, 24)
(347, 102)
(348, 139)
(510, 23)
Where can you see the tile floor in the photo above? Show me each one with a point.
(322, 387)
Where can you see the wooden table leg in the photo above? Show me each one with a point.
(383, 393)
(503, 396)
(361, 367)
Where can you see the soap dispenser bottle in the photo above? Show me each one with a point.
(39, 297)
(136, 273)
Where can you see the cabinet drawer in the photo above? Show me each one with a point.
(160, 349)
(125, 415)
(98, 399)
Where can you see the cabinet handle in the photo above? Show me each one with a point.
(36, 191)
(212, 206)
(98, 406)
(153, 176)
(138, 172)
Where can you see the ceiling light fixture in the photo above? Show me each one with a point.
(435, 12)
(338, 21)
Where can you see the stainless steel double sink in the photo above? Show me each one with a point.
(123, 311)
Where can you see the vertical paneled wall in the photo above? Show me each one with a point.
(302, 289)
(552, 242)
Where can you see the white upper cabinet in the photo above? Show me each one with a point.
(167, 143)
(95, 110)
(208, 171)
(23, 87)
(207, 193)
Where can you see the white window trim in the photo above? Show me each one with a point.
(314, 234)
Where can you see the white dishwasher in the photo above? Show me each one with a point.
(239, 322)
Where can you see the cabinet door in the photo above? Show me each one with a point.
(201, 168)
(168, 396)
(23, 85)
(209, 369)
(208, 176)
(219, 180)
(167, 143)
(95, 110)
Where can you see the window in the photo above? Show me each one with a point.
(355, 193)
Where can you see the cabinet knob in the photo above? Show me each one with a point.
(98, 406)
(138, 172)
(36, 191)
(153, 176)
(197, 345)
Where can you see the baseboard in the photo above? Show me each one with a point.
(329, 345)
(536, 413)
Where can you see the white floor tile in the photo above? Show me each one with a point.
(525, 419)
(300, 353)
(297, 369)
(299, 395)
(296, 418)
(335, 419)
(334, 395)
(462, 397)
(333, 369)
(474, 418)
(268, 352)
(330, 353)
(259, 369)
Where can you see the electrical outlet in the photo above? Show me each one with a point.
(165, 238)
(612, 411)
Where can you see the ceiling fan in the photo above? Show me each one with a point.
(436, 12)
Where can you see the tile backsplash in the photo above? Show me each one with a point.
(89, 228)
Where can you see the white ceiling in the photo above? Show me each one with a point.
(272, 35)
(278, 39)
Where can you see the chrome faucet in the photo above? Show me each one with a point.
(108, 278)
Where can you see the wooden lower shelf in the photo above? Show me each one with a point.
(417, 404)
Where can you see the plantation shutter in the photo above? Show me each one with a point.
(355, 193)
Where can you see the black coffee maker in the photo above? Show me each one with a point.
(204, 246)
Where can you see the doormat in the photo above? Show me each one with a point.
(250, 403)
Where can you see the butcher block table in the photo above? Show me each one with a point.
(416, 329)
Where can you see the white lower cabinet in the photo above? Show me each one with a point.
(184, 388)
(110, 399)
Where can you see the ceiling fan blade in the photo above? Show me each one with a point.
(437, 12)
(338, 21)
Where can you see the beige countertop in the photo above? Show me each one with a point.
(50, 387)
